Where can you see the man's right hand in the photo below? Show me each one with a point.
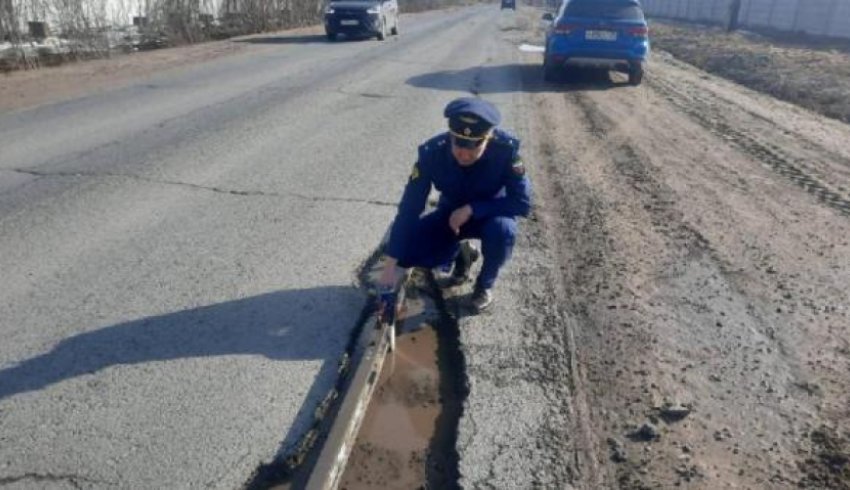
(459, 217)
(388, 276)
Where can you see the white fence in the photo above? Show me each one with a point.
(819, 17)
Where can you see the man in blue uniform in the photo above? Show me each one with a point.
(479, 173)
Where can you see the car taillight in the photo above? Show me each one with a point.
(565, 28)
(641, 31)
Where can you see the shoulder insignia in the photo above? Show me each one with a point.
(505, 140)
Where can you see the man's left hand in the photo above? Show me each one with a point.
(459, 218)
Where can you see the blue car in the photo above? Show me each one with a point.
(610, 34)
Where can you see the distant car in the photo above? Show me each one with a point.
(364, 18)
(509, 4)
(609, 34)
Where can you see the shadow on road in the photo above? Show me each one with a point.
(518, 77)
(308, 324)
(305, 39)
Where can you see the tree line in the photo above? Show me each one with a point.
(95, 28)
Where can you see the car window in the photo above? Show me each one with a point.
(605, 10)
(561, 9)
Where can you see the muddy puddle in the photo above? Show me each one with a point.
(408, 434)
(393, 443)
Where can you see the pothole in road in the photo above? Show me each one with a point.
(392, 447)
(408, 435)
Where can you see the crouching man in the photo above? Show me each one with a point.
(477, 169)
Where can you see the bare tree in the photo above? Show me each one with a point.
(87, 27)
(9, 22)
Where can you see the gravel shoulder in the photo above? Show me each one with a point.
(700, 230)
(29, 88)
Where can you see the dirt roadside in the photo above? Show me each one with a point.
(702, 232)
(29, 88)
(811, 72)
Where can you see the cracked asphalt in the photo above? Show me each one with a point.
(236, 192)
(181, 250)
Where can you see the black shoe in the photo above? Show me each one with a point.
(462, 269)
(481, 299)
(463, 263)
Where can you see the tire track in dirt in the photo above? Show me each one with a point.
(690, 270)
(591, 273)
(683, 243)
(593, 270)
(645, 349)
(562, 317)
(708, 112)
(586, 472)
(636, 169)
(819, 460)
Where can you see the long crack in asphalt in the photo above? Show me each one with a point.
(219, 190)
(75, 480)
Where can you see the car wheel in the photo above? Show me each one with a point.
(635, 73)
(394, 31)
(331, 36)
(382, 31)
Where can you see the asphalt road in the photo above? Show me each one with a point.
(179, 264)
(180, 256)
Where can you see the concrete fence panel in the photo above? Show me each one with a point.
(700, 9)
(676, 8)
(656, 6)
(666, 7)
(746, 6)
(784, 13)
(819, 17)
(814, 16)
(758, 13)
(704, 11)
(652, 5)
(840, 25)
(719, 10)
(671, 7)
(694, 7)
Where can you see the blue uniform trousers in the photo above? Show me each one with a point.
(434, 244)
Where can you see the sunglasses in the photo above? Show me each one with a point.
(468, 143)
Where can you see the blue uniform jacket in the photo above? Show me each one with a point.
(495, 185)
